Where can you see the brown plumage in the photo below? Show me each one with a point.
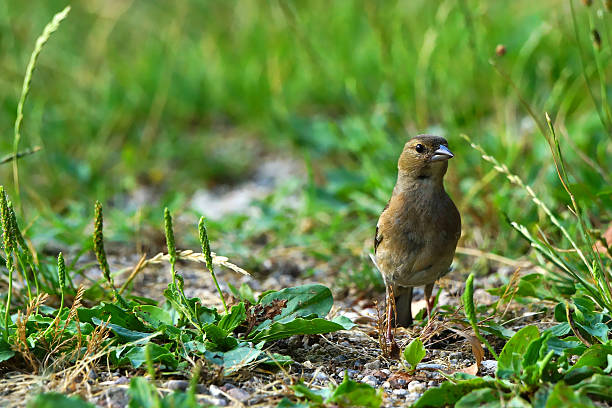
(417, 232)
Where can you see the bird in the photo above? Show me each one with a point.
(418, 230)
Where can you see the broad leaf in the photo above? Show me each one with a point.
(5, 351)
(414, 352)
(482, 397)
(354, 394)
(302, 301)
(234, 318)
(278, 330)
(449, 393)
(511, 356)
(563, 395)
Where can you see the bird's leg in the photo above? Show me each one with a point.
(394, 350)
(429, 300)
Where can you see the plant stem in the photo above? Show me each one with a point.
(206, 251)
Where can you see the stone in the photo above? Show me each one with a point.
(488, 366)
(400, 392)
(321, 376)
(373, 365)
(215, 391)
(352, 373)
(429, 366)
(177, 385)
(370, 380)
(416, 387)
(239, 394)
(340, 358)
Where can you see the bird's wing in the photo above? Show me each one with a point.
(378, 237)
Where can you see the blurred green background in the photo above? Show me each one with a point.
(174, 97)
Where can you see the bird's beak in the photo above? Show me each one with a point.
(442, 154)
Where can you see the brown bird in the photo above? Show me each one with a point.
(417, 232)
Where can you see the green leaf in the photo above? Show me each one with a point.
(414, 352)
(245, 293)
(598, 386)
(5, 351)
(354, 394)
(234, 318)
(302, 391)
(153, 315)
(449, 393)
(280, 330)
(142, 394)
(124, 335)
(594, 356)
(563, 395)
(275, 359)
(482, 397)
(54, 400)
(117, 316)
(286, 403)
(559, 330)
(559, 346)
(302, 301)
(218, 339)
(136, 356)
(511, 356)
(235, 359)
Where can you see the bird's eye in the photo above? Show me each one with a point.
(419, 148)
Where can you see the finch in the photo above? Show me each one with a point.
(417, 232)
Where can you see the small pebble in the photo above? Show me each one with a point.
(400, 392)
(340, 358)
(92, 374)
(308, 364)
(352, 373)
(429, 366)
(177, 385)
(239, 394)
(321, 376)
(416, 387)
(370, 380)
(215, 391)
(373, 365)
(413, 396)
(357, 364)
(387, 384)
(122, 380)
(488, 366)
(217, 402)
(432, 384)
(401, 382)
(386, 372)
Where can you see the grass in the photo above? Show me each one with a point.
(136, 100)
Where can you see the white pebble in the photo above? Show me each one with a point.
(416, 387)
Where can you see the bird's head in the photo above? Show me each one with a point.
(424, 157)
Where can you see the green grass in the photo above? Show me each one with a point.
(147, 96)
